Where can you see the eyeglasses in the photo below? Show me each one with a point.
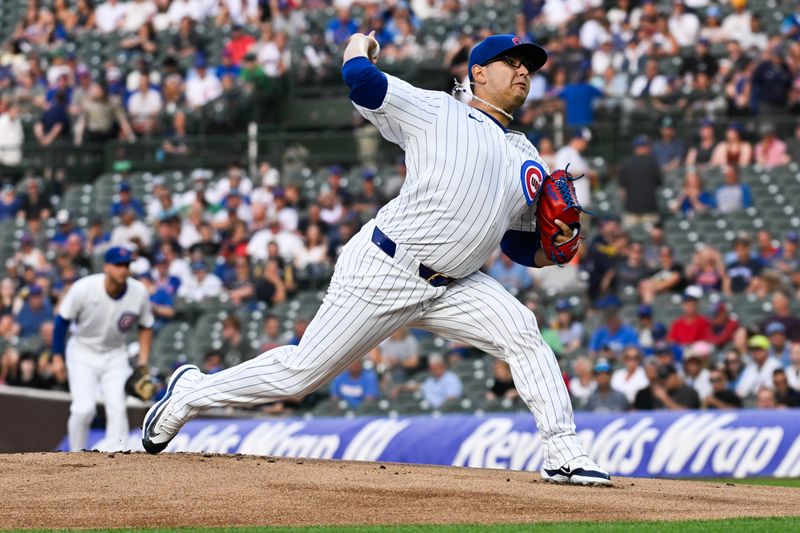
(514, 63)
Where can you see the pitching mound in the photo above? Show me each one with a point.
(56, 490)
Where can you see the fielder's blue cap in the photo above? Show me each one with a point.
(495, 46)
(119, 256)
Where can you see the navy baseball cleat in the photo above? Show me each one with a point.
(161, 424)
(579, 471)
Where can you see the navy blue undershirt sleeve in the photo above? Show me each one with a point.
(367, 83)
(521, 246)
(60, 329)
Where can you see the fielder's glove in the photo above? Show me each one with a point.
(557, 200)
(140, 385)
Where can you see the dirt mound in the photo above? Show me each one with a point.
(57, 490)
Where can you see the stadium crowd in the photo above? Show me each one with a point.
(257, 241)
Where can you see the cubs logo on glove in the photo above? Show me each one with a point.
(140, 385)
(557, 201)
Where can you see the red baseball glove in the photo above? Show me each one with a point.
(558, 201)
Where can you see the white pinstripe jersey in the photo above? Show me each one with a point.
(99, 322)
(466, 181)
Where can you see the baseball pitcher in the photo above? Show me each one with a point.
(472, 185)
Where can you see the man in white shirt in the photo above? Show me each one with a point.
(651, 83)
(137, 14)
(758, 372)
(200, 285)
(737, 25)
(204, 86)
(144, 106)
(289, 244)
(130, 232)
(631, 378)
(684, 26)
(110, 16)
(571, 154)
(12, 135)
(233, 180)
(182, 8)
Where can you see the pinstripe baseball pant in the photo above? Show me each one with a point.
(370, 296)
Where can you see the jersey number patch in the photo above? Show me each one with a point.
(127, 320)
(532, 176)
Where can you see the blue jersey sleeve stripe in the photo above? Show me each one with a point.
(521, 246)
(368, 85)
(60, 334)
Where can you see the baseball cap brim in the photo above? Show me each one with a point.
(534, 55)
(498, 46)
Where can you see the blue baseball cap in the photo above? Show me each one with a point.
(602, 365)
(119, 256)
(492, 47)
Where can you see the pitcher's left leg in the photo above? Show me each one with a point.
(479, 311)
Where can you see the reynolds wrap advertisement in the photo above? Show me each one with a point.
(670, 444)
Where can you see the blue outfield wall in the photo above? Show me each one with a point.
(645, 444)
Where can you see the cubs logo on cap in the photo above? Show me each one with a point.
(532, 176)
(498, 45)
(119, 255)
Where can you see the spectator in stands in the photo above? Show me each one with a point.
(512, 276)
(579, 98)
(700, 153)
(51, 130)
(781, 312)
(692, 199)
(144, 108)
(101, 118)
(707, 271)
(721, 396)
(85, 18)
(239, 44)
(369, 199)
(235, 346)
(771, 151)
(669, 150)
(126, 200)
(630, 378)
(200, 285)
(778, 344)
(568, 327)
(670, 392)
(582, 384)
(733, 366)
(723, 325)
(162, 301)
(571, 154)
(669, 277)
(10, 204)
(34, 204)
(340, 28)
(651, 83)
(793, 368)
(629, 272)
(240, 289)
(12, 136)
(765, 249)
(312, 259)
(695, 370)
(204, 86)
(30, 255)
(442, 386)
(131, 232)
(356, 385)
(10, 303)
(639, 179)
(110, 16)
(787, 260)
(691, 326)
(213, 362)
(733, 151)
(604, 398)
(772, 81)
(758, 372)
(765, 399)
(744, 269)
(398, 357)
(65, 227)
(271, 288)
(614, 334)
(299, 329)
(602, 256)
(732, 196)
(272, 336)
(34, 312)
(785, 395)
(502, 383)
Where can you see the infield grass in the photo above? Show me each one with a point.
(759, 525)
(773, 481)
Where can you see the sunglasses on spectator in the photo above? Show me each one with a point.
(513, 62)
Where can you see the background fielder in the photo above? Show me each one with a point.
(100, 310)
(470, 181)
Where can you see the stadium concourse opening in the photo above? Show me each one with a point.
(102, 490)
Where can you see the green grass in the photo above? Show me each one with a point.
(772, 481)
(759, 525)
